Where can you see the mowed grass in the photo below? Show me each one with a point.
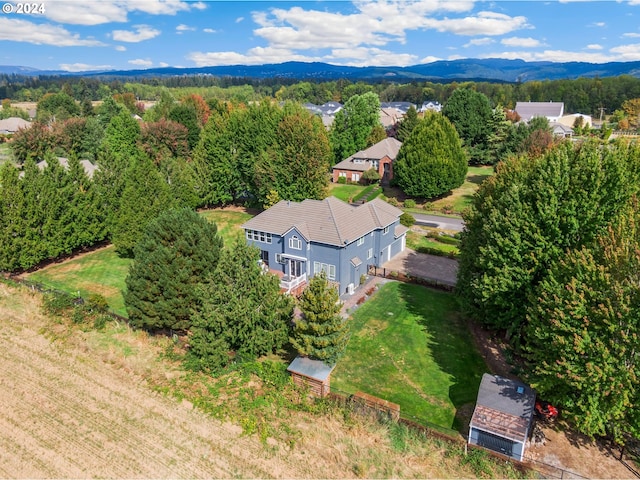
(410, 346)
(421, 243)
(345, 192)
(460, 198)
(103, 272)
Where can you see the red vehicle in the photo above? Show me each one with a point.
(546, 410)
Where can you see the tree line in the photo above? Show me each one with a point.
(549, 257)
(583, 95)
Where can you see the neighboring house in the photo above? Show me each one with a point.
(89, 168)
(401, 107)
(379, 156)
(552, 111)
(325, 111)
(389, 117)
(11, 125)
(561, 131)
(299, 240)
(502, 418)
(430, 106)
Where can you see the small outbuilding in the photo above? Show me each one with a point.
(502, 418)
(314, 374)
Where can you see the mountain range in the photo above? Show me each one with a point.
(491, 69)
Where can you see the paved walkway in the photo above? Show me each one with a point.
(431, 267)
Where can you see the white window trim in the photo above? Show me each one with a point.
(369, 253)
(385, 230)
(295, 243)
(329, 269)
(257, 236)
(360, 241)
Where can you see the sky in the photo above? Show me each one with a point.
(80, 35)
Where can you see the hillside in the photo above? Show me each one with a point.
(493, 69)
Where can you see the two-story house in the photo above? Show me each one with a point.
(298, 240)
(379, 157)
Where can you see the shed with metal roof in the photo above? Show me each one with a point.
(501, 421)
(314, 374)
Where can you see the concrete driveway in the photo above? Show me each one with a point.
(431, 267)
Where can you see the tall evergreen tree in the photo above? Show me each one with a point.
(431, 161)
(321, 333)
(175, 254)
(407, 124)
(471, 114)
(240, 310)
(144, 197)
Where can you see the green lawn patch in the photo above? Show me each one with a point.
(103, 272)
(422, 243)
(411, 346)
(345, 192)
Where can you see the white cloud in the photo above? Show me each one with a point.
(430, 59)
(141, 62)
(108, 11)
(239, 19)
(18, 30)
(484, 23)
(477, 42)
(209, 30)
(627, 53)
(255, 56)
(599, 24)
(185, 28)
(363, 56)
(143, 32)
(594, 46)
(121, 48)
(520, 42)
(163, 64)
(631, 34)
(83, 67)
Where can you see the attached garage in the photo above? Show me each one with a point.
(502, 418)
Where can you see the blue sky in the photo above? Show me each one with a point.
(77, 35)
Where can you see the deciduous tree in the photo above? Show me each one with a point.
(353, 125)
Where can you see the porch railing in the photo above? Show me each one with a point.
(289, 283)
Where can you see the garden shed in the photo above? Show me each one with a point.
(502, 418)
(314, 374)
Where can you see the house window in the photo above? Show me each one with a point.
(280, 258)
(369, 253)
(360, 241)
(358, 160)
(330, 270)
(355, 177)
(343, 174)
(256, 236)
(386, 230)
(264, 256)
(295, 243)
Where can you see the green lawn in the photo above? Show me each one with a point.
(345, 192)
(410, 346)
(421, 243)
(5, 153)
(104, 272)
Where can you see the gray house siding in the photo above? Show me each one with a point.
(331, 235)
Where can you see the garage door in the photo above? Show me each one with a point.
(495, 443)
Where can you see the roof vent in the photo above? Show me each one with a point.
(520, 390)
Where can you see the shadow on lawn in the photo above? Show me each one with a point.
(452, 349)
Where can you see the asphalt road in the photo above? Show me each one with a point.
(437, 221)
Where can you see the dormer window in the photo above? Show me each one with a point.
(295, 243)
(358, 160)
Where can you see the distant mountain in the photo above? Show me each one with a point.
(10, 69)
(492, 69)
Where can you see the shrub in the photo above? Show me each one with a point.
(97, 303)
(407, 219)
(363, 279)
(58, 303)
(409, 203)
(342, 180)
(393, 201)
